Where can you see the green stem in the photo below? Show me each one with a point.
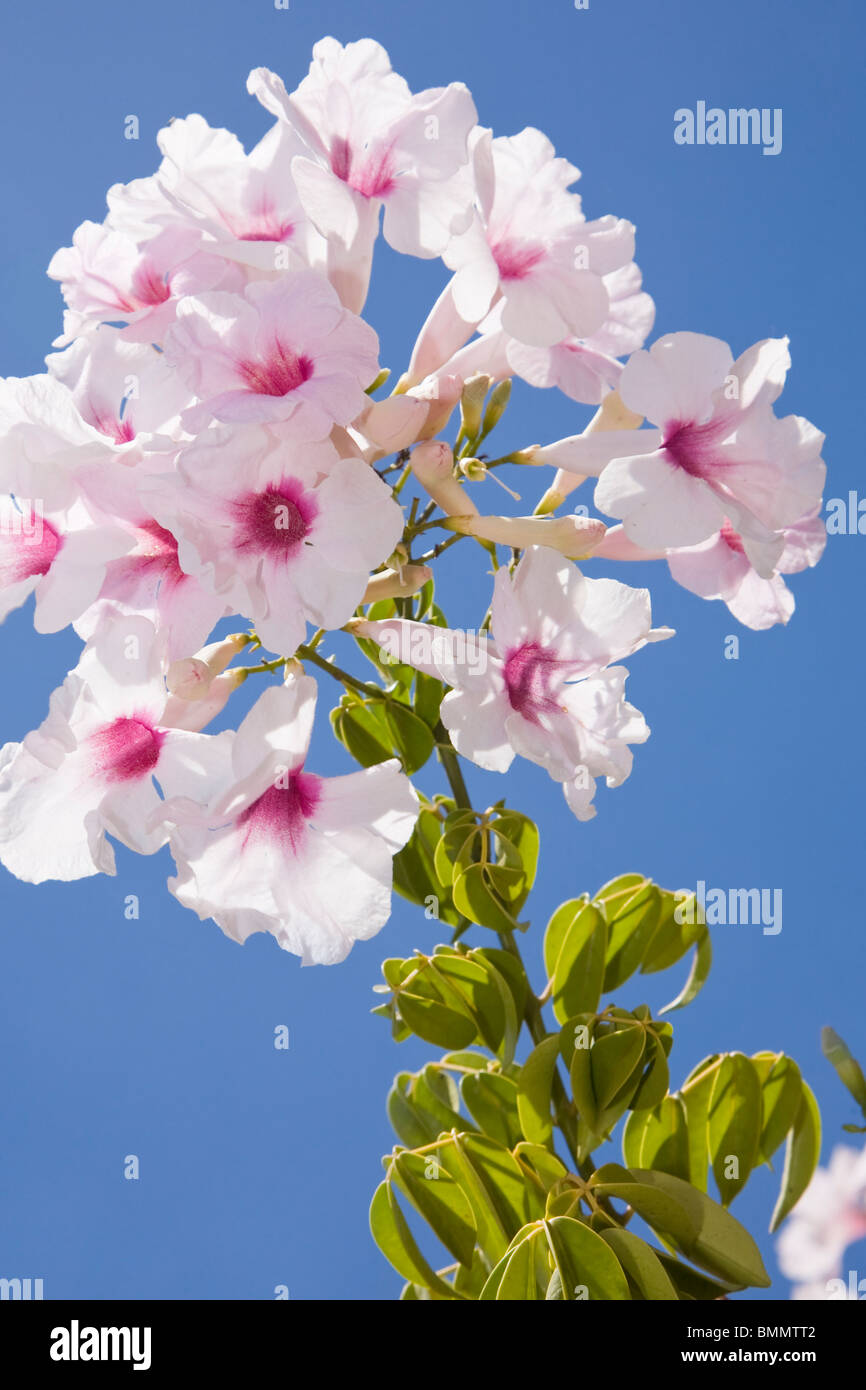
(306, 653)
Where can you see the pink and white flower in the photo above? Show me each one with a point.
(546, 689)
(241, 206)
(88, 770)
(374, 144)
(730, 567)
(107, 277)
(281, 535)
(285, 353)
(278, 848)
(717, 453)
(531, 246)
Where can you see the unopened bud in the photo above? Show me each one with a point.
(397, 583)
(394, 423)
(194, 714)
(441, 394)
(433, 466)
(496, 406)
(576, 537)
(472, 403)
(191, 677)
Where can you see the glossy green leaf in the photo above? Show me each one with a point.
(491, 1100)
(585, 1262)
(847, 1067)
(801, 1156)
(658, 1138)
(534, 1090)
(641, 1264)
(580, 965)
(734, 1124)
(391, 1233)
(781, 1091)
(439, 1199)
(434, 1022)
(411, 738)
(699, 1228)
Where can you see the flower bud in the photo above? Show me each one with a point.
(191, 677)
(394, 423)
(193, 714)
(576, 537)
(496, 406)
(397, 583)
(433, 466)
(441, 394)
(472, 403)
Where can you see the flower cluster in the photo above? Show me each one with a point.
(208, 444)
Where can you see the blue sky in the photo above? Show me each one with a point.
(155, 1037)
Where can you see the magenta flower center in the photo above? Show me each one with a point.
(126, 750)
(372, 174)
(279, 373)
(274, 522)
(515, 259)
(531, 674)
(33, 550)
(693, 447)
(148, 288)
(280, 814)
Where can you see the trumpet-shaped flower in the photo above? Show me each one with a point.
(374, 144)
(545, 689)
(281, 849)
(717, 451)
(280, 535)
(88, 771)
(285, 352)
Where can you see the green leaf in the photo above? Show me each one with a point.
(534, 1089)
(363, 731)
(658, 1138)
(692, 1286)
(847, 1067)
(696, 1095)
(391, 1233)
(801, 1156)
(439, 1199)
(513, 1277)
(434, 1022)
(491, 1100)
(641, 1264)
(734, 1124)
(554, 933)
(412, 740)
(428, 698)
(701, 962)
(693, 1224)
(579, 971)
(632, 919)
(653, 1086)
(475, 898)
(547, 1168)
(781, 1090)
(411, 1128)
(616, 1061)
(585, 1262)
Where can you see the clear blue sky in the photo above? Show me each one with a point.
(155, 1037)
